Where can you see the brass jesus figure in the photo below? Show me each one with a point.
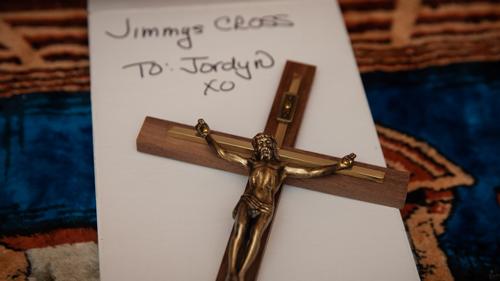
(254, 211)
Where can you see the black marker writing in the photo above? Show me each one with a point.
(153, 67)
(182, 34)
(234, 23)
(241, 68)
(216, 86)
(204, 65)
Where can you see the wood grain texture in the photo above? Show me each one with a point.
(307, 73)
(154, 139)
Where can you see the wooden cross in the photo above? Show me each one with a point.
(363, 181)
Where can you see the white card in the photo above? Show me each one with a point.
(160, 219)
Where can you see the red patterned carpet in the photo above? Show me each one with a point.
(411, 53)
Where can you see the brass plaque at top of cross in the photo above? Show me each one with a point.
(270, 160)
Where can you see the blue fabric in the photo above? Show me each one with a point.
(455, 109)
(46, 163)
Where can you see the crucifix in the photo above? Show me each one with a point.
(271, 160)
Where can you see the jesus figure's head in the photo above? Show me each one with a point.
(265, 147)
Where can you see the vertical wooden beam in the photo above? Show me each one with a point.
(306, 73)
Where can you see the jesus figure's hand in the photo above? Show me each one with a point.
(347, 161)
(202, 128)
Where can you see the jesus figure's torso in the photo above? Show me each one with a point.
(265, 179)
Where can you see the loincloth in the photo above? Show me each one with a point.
(255, 206)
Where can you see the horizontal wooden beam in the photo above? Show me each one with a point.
(364, 182)
(301, 159)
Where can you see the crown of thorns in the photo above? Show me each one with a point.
(261, 136)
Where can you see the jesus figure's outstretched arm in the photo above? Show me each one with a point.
(204, 131)
(310, 172)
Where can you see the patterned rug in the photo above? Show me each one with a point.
(431, 73)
